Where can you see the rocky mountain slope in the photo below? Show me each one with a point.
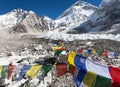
(106, 18)
(20, 21)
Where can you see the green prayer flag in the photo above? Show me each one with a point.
(99, 52)
(102, 82)
(4, 72)
(45, 69)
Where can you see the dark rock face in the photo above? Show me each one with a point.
(105, 19)
(106, 16)
(31, 24)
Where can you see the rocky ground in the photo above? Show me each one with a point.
(31, 48)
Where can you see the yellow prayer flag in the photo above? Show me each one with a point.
(32, 72)
(90, 79)
(94, 51)
(71, 57)
(0, 68)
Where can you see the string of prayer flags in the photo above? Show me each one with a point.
(104, 53)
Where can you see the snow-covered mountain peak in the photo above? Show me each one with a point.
(79, 6)
(19, 11)
(46, 18)
(21, 21)
(31, 12)
(12, 18)
(77, 14)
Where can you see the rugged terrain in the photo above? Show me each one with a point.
(27, 37)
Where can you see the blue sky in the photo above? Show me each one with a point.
(51, 8)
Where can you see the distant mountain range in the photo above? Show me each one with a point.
(81, 17)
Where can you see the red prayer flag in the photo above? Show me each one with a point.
(10, 70)
(61, 69)
(80, 50)
(105, 53)
(115, 74)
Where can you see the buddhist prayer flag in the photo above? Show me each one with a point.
(80, 62)
(71, 57)
(10, 70)
(4, 72)
(97, 68)
(110, 54)
(115, 74)
(61, 69)
(0, 69)
(89, 51)
(99, 52)
(23, 72)
(116, 54)
(18, 70)
(94, 51)
(80, 50)
(105, 53)
(91, 73)
(32, 72)
(45, 69)
(90, 79)
(102, 81)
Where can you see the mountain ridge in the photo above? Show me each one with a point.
(23, 21)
